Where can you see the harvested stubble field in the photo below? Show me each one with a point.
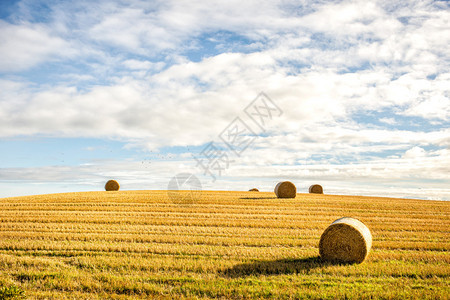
(139, 244)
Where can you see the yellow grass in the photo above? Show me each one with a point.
(139, 244)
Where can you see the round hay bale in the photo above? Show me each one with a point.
(316, 189)
(345, 240)
(285, 189)
(112, 185)
(253, 190)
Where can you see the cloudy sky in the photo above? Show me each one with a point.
(140, 91)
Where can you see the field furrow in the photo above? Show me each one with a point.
(229, 245)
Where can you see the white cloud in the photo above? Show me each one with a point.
(389, 121)
(135, 64)
(415, 152)
(321, 64)
(132, 29)
(26, 45)
(432, 101)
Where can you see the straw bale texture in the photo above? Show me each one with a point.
(316, 189)
(285, 189)
(112, 185)
(345, 240)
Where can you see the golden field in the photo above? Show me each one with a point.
(230, 245)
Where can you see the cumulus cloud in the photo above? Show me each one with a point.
(26, 45)
(329, 66)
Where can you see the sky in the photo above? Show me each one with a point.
(352, 95)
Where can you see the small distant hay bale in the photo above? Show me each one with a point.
(316, 189)
(346, 240)
(285, 189)
(112, 185)
(253, 190)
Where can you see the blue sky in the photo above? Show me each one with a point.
(132, 90)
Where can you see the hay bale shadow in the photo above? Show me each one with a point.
(277, 267)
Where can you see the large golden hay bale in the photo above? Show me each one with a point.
(285, 189)
(316, 189)
(253, 190)
(112, 185)
(346, 240)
